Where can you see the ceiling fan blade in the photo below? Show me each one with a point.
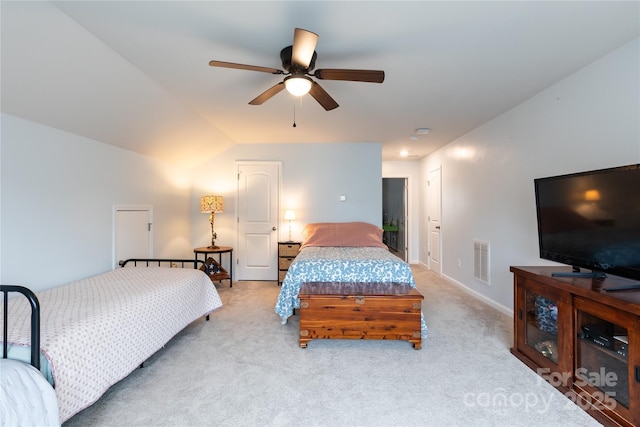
(323, 98)
(304, 44)
(371, 76)
(267, 94)
(245, 67)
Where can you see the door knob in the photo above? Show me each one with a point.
(274, 229)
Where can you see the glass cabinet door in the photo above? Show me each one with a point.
(541, 329)
(602, 359)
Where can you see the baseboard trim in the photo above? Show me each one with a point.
(501, 308)
(477, 295)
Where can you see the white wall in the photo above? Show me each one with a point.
(58, 193)
(587, 121)
(313, 178)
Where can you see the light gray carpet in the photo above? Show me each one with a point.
(244, 368)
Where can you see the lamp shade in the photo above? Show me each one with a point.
(290, 215)
(298, 85)
(211, 203)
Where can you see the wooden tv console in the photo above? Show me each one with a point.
(584, 340)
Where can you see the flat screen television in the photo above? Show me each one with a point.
(591, 220)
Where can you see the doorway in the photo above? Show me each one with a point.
(394, 215)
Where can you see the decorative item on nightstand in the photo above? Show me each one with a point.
(212, 204)
(290, 215)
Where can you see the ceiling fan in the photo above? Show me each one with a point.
(298, 61)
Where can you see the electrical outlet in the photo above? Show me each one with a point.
(459, 263)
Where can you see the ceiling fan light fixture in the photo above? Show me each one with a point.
(298, 85)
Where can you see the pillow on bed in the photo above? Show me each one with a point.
(342, 234)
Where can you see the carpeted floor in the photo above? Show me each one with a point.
(244, 368)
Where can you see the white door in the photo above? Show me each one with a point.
(132, 236)
(434, 212)
(258, 209)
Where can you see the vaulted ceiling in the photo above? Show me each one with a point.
(135, 74)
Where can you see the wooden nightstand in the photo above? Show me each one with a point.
(218, 250)
(287, 251)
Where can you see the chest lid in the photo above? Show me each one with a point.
(357, 288)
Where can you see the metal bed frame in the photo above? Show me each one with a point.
(166, 262)
(172, 263)
(35, 321)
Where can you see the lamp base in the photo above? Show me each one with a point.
(213, 247)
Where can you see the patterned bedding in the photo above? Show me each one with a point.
(341, 264)
(96, 331)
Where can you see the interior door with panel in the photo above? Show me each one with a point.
(132, 237)
(258, 208)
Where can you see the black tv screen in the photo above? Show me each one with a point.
(591, 220)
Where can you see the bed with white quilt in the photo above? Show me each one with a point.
(97, 330)
(350, 252)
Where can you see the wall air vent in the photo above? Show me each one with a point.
(481, 261)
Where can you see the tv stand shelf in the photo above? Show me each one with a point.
(571, 328)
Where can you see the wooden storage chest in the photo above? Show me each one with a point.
(381, 311)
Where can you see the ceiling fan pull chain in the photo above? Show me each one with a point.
(294, 113)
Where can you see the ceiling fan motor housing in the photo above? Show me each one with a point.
(285, 57)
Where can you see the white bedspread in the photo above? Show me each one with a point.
(96, 331)
(26, 397)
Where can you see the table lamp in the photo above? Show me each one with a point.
(290, 215)
(212, 204)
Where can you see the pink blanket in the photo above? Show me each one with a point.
(342, 234)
